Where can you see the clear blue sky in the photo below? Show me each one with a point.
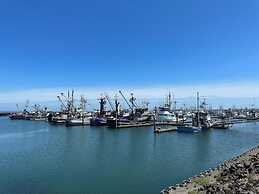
(59, 43)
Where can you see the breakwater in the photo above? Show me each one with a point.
(4, 113)
(238, 175)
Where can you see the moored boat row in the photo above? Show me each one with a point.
(189, 121)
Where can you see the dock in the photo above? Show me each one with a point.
(130, 125)
(148, 124)
(160, 130)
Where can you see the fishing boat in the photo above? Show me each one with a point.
(37, 114)
(78, 121)
(120, 116)
(145, 117)
(37, 118)
(98, 121)
(17, 116)
(81, 118)
(113, 122)
(251, 116)
(57, 118)
(198, 121)
(222, 125)
(164, 115)
(21, 115)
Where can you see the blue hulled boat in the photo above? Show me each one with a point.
(98, 121)
(188, 129)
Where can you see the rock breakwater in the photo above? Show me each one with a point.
(238, 175)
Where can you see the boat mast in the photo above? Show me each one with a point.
(198, 109)
(116, 110)
(68, 102)
(72, 101)
(132, 99)
(169, 101)
(102, 103)
(116, 104)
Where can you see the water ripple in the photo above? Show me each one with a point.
(24, 133)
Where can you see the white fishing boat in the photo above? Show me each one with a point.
(78, 121)
(163, 115)
(146, 116)
(57, 118)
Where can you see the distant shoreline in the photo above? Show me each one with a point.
(5, 113)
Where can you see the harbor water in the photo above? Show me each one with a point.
(37, 157)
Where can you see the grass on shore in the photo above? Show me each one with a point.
(192, 192)
(200, 180)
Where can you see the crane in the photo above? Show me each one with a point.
(62, 101)
(83, 102)
(125, 99)
(109, 101)
(132, 100)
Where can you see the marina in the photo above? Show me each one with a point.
(111, 139)
(183, 120)
(200, 131)
(129, 97)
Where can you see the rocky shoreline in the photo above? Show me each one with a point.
(238, 175)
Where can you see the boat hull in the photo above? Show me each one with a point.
(17, 117)
(37, 118)
(73, 123)
(98, 122)
(112, 122)
(221, 126)
(77, 122)
(187, 129)
(57, 122)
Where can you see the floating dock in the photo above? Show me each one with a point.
(130, 125)
(149, 124)
(160, 130)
